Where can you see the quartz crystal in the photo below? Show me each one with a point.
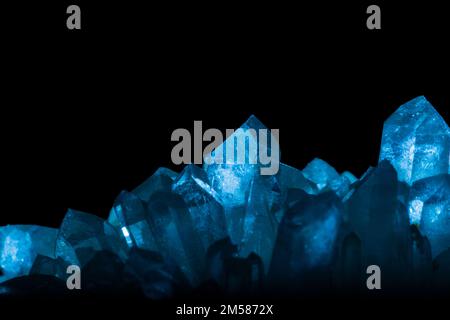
(20, 245)
(227, 228)
(416, 140)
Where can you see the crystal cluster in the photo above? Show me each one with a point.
(245, 232)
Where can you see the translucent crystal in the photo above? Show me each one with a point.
(325, 177)
(20, 245)
(81, 235)
(306, 237)
(232, 179)
(175, 234)
(161, 180)
(431, 201)
(290, 177)
(380, 221)
(422, 191)
(320, 172)
(349, 176)
(416, 140)
(230, 228)
(203, 203)
(128, 216)
(260, 224)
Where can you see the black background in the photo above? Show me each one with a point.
(88, 113)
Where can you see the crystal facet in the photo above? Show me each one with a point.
(416, 140)
(307, 237)
(81, 235)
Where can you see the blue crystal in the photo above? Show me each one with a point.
(81, 235)
(232, 180)
(420, 192)
(326, 178)
(161, 180)
(104, 273)
(175, 234)
(20, 245)
(350, 177)
(416, 140)
(229, 228)
(320, 172)
(307, 237)
(290, 177)
(128, 216)
(429, 206)
(380, 221)
(260, 224)
(204, 205)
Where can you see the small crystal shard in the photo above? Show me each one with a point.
(320, 172)
(349, 176)
(325, 177)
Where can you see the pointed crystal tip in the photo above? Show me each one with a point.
(416, 140)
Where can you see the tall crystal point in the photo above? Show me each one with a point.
(416, 140)
(233, 178)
